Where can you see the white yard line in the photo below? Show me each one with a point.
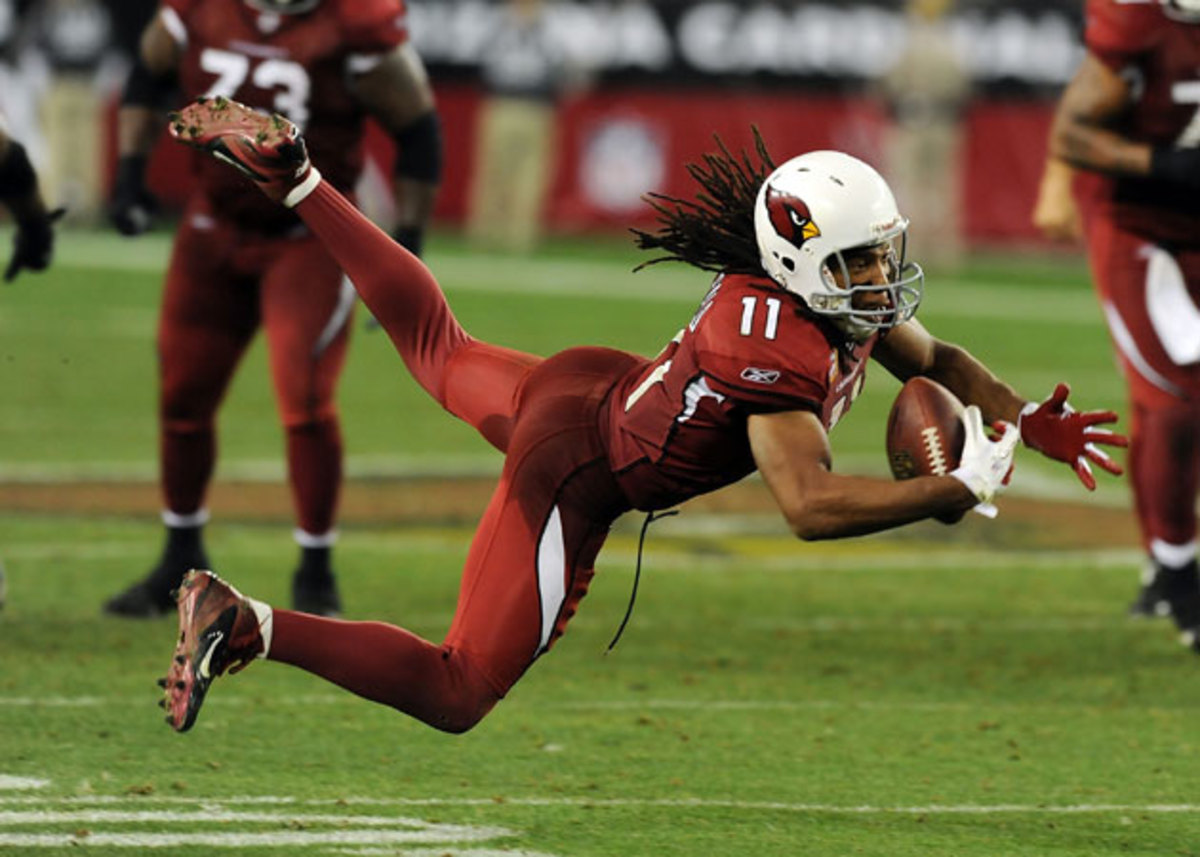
(299, 829)
(274, 839)
(217, 814)
(8, 783)
(215, 804)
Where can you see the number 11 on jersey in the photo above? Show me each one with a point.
(750, 310)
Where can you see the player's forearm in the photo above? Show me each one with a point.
(853, 506)
(973, 383)
(1089, 147)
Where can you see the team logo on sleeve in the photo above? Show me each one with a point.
(760, 376)
(790, 217)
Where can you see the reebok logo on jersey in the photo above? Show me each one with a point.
(760, 376)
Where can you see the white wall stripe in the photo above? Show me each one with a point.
(552, 574)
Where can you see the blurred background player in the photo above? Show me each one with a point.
(73, 66)
(811, 283)
(1130, 120)
(33, 244)
(524, 71)
(927, 91)
(240, 263)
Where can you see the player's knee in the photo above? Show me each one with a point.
(465, 699)
(313, 419)
(188, 406)
(185, 421)
(459, 722)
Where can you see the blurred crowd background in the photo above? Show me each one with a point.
(562, 114)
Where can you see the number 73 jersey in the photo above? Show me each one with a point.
(298, 65)
(677, 426)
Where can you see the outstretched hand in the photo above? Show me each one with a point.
(33, 245)
(1058, 431)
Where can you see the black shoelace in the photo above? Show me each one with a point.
(651, 517)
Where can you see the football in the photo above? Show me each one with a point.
(925, 433)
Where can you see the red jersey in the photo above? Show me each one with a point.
(676, 426)
(1162, 56)
(297, 65)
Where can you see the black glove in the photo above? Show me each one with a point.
(33, 245)
(132, 207)
(1181, 166)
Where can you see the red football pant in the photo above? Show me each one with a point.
(222, 285)
(532, 556)
(1164, 447)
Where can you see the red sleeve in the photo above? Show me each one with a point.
(785, 373)
(1117, 33)
(373, 26)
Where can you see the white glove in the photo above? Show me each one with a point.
(985, 463)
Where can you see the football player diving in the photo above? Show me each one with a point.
(811, 281)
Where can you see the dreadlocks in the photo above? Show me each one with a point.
(714, 232)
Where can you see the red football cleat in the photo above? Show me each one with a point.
(218, 630)
(267, 148)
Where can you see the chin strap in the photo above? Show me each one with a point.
(651, 517)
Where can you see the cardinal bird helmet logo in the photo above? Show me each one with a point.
(790, 217)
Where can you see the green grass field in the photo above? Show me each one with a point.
(929, 692)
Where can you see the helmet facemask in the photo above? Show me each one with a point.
(857, 308)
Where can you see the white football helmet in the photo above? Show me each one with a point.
(811, 210)
(284, 7)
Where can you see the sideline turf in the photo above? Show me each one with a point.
(749, 708)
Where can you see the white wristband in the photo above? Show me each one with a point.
(301, 191)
